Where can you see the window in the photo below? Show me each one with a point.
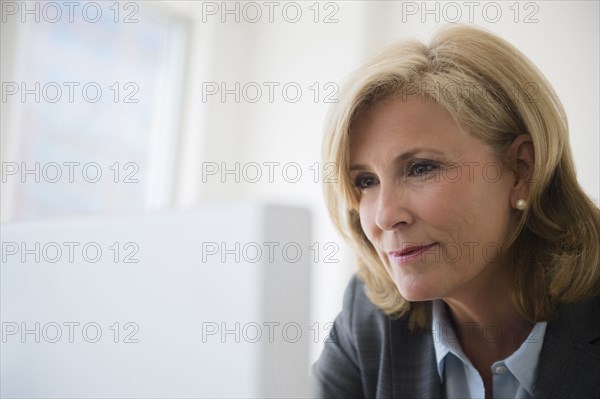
(91, 100)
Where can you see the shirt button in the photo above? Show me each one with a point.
(500, 370)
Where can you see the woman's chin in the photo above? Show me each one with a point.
(417, 292)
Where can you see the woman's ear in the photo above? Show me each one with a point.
(522, 158)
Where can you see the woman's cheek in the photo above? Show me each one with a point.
(367, 214)
(435, 198)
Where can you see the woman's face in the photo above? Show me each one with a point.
(434, 201)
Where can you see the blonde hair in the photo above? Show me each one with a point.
(496, 93)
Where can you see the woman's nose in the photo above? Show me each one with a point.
(392, 208)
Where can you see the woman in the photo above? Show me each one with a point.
(478, 251)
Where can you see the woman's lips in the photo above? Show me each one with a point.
(410, 253)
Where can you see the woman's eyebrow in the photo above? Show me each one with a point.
(354, 167)
(398, 159)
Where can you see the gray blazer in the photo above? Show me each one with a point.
(370, 355)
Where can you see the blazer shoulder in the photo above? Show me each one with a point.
(569, 362)
(361, 314)
(355, 358)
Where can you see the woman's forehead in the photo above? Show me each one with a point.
(398, 120)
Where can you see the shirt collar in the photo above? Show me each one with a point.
(522, 363)
(444, 337)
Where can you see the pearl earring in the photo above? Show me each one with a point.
(521, 204)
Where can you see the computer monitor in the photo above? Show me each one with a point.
(212, 302)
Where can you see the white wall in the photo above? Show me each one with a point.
(563, 43)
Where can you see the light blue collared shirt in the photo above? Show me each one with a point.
(513, 377)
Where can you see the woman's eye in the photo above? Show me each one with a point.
(421, 168)
(364, 182)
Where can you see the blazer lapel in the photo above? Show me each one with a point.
(414, 371)
(569, 363)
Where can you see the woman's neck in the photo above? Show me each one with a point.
(487, 324)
